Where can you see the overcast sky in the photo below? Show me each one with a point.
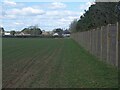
(47, 15)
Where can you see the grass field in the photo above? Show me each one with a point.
(53, 63)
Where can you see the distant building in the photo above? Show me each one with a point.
(17, 33)
(7, 33)
(66, 35)
(56, 34)
(25, 34)
(21, 34)
(45, 33)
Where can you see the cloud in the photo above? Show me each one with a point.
(86, 5)
(89, 3)
(32, 11)
(1, 25)
(19, 17)
(27, 11)
(9, 3)
(66, 20)
(1, 16)
(59, 19)
(18, 23)
(10, 16)
(62, 13)
(57, 5)
(1, 11)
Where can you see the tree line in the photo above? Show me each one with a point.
(32, 30)
(98, 14)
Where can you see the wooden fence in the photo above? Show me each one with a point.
(101, 42)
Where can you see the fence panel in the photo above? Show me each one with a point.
(112, 44)
(104, 43)
(95, 53)
(101, 42)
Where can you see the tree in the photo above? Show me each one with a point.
(66, 32)
(59, 31)
(2, 31)
(99, 14)
(26, 31)
(37, 31)
(33, 30)
(12, 33)
(72, 26)
(117, 10)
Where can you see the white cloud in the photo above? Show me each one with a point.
(86, 6)
(1, 11)
(9, 3)
(30, 10)
(1, 16)
(27, 11)
(18, 23)
(19, 17)
(10, 16)
(59, 19)
(62, 13)
(89, 3)
(63, 20)
(1, 25)
(57, 5)
(71, 18)
(67, 20)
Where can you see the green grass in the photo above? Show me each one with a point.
(56, 63)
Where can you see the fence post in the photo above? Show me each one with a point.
(117, 46)
(90, 41)
(101, 43)
(108, 43)
(93, 46)
(96, 42)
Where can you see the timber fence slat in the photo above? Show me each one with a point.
(101, 42)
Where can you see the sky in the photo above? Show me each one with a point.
(48, 15)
